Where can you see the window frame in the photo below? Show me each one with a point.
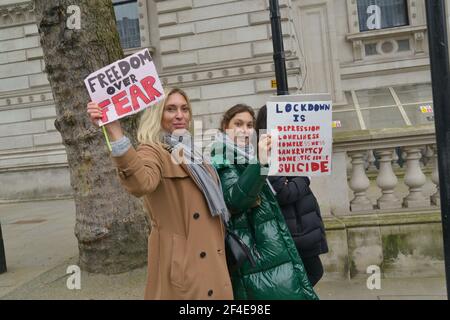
(415, 30)
(389, 27)
(117, 3)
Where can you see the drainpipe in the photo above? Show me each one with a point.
(440, 80)
(278, 49)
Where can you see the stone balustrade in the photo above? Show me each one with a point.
(387, 170)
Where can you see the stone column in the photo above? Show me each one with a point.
(359, 183)
(387, 181)
(414, 179)
(436, 197)
(337, 189)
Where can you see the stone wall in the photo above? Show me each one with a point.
(401, 244)
(220, 51)
(32, 160)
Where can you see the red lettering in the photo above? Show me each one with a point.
(314, 166)
(147, 83)
(103, 105)
(303, 167)
(135, 93)
(280, 168)
(119, 101)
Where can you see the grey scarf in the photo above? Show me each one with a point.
(234, 153)
(208, 184)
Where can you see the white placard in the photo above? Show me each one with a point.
(301, 129)
(125, 87)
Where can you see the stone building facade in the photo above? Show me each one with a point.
(370, 55)
(220, 51)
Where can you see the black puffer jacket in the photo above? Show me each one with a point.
(302, 214)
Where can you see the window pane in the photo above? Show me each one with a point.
(350, 103)
(383, 118)
(420, 114)
(127, 23)
(403, 45)
(347, 121)
(375, 98)
(371, 49)
(414, 93)
(381, 14)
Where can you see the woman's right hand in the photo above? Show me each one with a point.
(95, 114)
(94, 111)
(264, 148)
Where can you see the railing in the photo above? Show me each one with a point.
(385, 161)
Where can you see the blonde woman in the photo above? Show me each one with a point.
(186, 254)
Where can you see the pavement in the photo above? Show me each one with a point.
(40, 246)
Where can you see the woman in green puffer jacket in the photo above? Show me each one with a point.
(278, 272)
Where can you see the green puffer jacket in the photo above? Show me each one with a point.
(256, 217)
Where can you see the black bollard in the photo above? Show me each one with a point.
(440, 80)
(2, 253)
(278, 49)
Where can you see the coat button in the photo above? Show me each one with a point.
(202, 254)
(210, 293)
(196, 215)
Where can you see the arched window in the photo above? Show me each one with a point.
(127, 22)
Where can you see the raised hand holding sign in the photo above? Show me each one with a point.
(125, 87)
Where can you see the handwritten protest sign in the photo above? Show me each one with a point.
(125, 87)
(301, 128)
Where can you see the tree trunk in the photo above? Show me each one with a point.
(111, 226)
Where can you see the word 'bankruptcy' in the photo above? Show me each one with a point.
(125, 87)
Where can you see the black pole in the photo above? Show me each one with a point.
(2, 253)
(278, 49)
(440, 80)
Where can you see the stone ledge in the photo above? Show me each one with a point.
(35, 167)
(400, 217)
(173, 6)
(357, 140)
(46, 181)
(41, 199)
(375, 34)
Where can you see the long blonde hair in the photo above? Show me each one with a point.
(150, 129)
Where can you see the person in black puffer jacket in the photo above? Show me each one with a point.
(302, 214)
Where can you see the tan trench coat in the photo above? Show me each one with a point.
(186, 254)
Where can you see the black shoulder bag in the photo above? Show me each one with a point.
(236, 251)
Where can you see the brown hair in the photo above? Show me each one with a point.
(261, 119)
(230, 113)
